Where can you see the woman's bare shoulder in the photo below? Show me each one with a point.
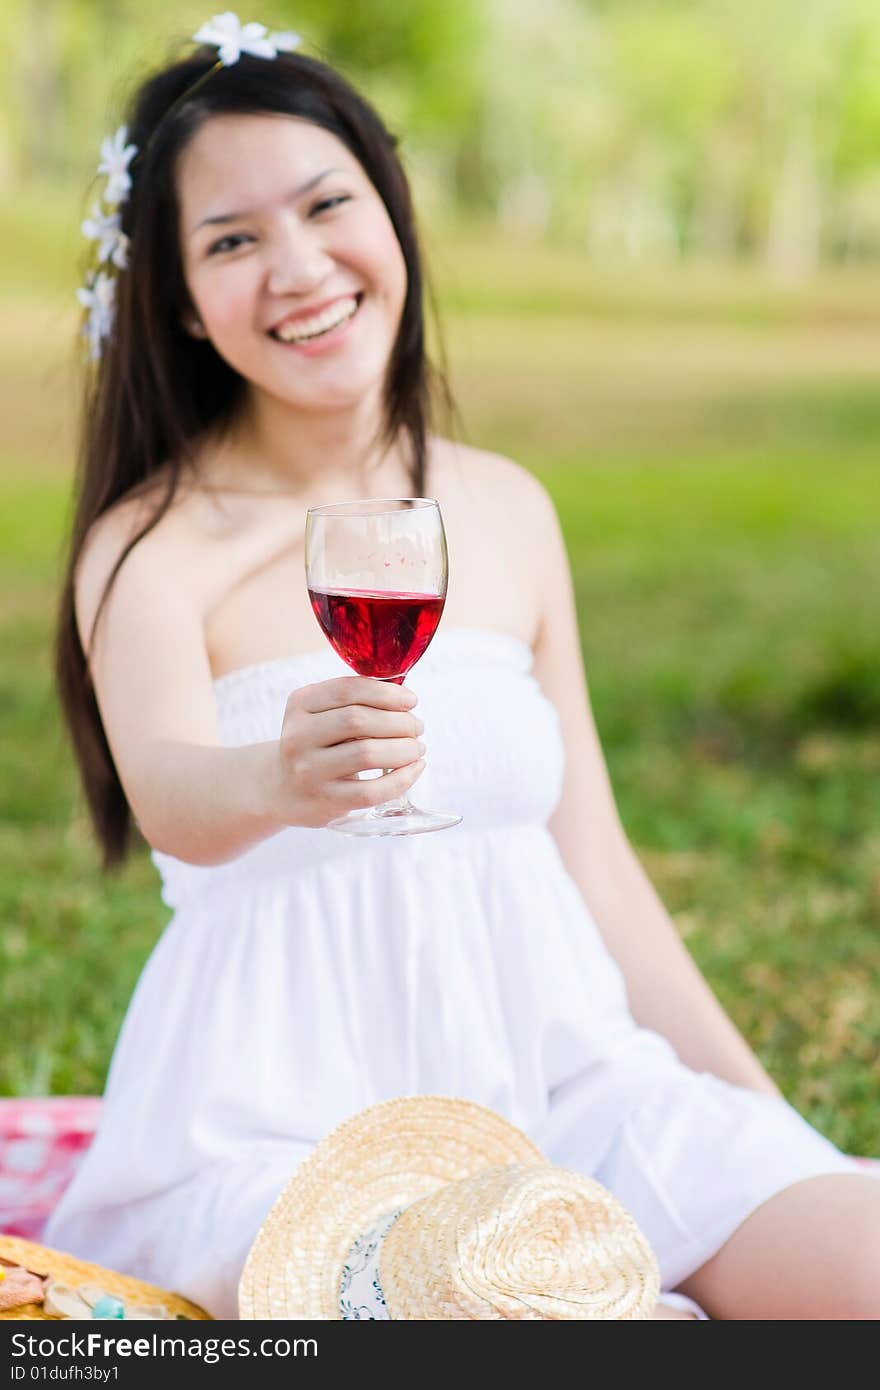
(130, 515)
(494, 474)
(480, 477)
(137, 531)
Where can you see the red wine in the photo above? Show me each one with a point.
(377, 633)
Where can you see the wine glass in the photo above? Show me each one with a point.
(376, 573)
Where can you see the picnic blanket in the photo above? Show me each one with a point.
(42, 1139)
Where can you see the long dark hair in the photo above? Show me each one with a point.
(156, 388)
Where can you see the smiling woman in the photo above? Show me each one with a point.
(268, 358)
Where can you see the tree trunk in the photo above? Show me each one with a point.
(41, 88)
(795, 220)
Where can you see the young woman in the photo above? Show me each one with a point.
(268, 356)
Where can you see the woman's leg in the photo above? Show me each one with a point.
(810, 1252)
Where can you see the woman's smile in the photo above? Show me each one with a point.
(320, 332)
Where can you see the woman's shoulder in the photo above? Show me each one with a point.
(168, 511)
(502, 527)
(138, 534)
(494, 478)
(134, 512)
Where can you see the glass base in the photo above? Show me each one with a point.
(410, 821)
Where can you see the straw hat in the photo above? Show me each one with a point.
(430, 1207)
(63, 1276)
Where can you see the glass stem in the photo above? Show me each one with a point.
(398, 805)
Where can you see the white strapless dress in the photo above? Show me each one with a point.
(317, 974)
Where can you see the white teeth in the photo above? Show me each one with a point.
(296, 331)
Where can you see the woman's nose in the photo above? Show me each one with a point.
(298, 264)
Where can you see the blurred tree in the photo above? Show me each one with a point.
(41, 79)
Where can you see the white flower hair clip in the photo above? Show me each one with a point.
(98, 295)
(106, 229)
(116, 155)
(234, 38)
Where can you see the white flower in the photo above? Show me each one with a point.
(116, 156)
(284, 42)
(119, 254)
(234, 38)
(99, 297)
(105, 228)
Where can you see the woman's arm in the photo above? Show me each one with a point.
(667, 992)
(191, 796)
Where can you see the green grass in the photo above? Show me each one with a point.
(716, 478)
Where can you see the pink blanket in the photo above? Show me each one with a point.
(42, 1139)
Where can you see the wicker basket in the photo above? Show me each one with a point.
(39, 1259)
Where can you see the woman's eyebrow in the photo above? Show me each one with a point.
(291, 197)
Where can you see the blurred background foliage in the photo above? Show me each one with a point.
(645, 129)
(654, 228)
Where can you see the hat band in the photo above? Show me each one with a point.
(360, 1293)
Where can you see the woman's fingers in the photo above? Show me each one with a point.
(354, 691)
(356, 723)
(348, 759)
(335, 730)
(356, 794)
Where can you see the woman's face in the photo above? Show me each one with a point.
(282, 236)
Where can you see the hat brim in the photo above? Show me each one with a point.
(380, 1160)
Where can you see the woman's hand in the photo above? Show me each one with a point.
(333, 730)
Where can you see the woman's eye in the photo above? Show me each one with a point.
(227, 243)
(331, 202)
